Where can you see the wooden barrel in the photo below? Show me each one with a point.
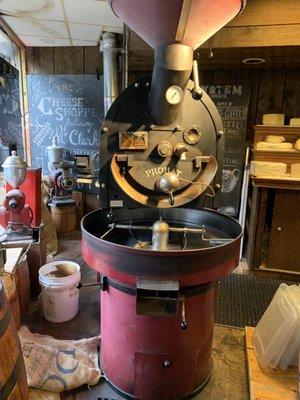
(16, 265)
(64, 219)
(22, 280)
(13, 382)
(12, 296)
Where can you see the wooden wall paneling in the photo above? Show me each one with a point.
(271, 92)
(91, 202)
(227, 58)
(131, 77)
(206, 77)
(225, 77)
(92, 60)
(254, 36)
(291, 99)
(79, 198)
(268, 12)
(24, 105)
(68, 60)
(218, 59)
(274, 56)
(256, 226)
(29, 56)
(253, 218)
(40, 60)
(29, 60)
(250, 78)
(140, 62)
(135, 75)
(63, 60)
(284, 249)
(261, 226)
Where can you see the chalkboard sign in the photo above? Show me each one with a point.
(232, 101)
(10, 116)
(69, 107)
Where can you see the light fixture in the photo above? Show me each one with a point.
(254, 60)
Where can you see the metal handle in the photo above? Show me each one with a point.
(81, 285)
(171, 199)
(197, 91)
(150, 228)
(103, 284)
(183, 324)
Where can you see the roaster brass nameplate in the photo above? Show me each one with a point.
(133, 140)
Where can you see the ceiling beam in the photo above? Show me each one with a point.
(268, 12)
(256, 36)
(10, 33)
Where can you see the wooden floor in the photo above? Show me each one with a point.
(269, 383)
(229, 377)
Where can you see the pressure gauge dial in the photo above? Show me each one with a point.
(174, 95)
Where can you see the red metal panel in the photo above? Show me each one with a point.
(206, 267)
(134, 347)
(128, 339)
(152, 378)
(32, 190)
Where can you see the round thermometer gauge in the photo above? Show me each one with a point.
(174, 95)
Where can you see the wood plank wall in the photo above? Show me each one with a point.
(273, 90)
(63, 60)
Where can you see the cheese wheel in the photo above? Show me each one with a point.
(297, 144)
(264, 168)
(295, 122)
(295, 170)
(274, 146)
(274, 139)
(273, 119)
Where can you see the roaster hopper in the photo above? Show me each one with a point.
(159, 252)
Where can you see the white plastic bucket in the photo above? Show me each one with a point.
(60, 296)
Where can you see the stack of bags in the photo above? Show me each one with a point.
(276, 338)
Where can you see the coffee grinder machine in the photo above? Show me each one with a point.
(15, 214)
(61, 177)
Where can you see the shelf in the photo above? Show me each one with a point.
(276, 182)
(293, 151)
(287, 157)
(290, 133)
(277, 129)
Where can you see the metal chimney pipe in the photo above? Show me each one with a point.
(172, 67)
(126, 38)
(108, 45)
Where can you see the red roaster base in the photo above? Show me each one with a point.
(147, 357)
(150, 357)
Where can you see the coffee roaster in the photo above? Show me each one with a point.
(159, 252)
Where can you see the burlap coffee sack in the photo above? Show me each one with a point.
(58, 365)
